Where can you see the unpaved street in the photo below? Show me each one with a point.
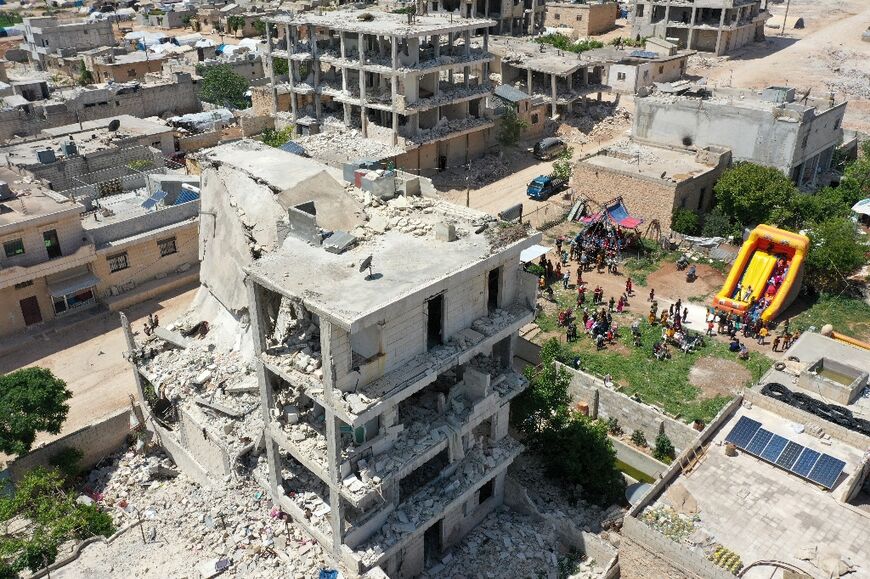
(89, 357)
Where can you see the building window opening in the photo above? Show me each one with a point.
(118, 262)
(14, 247)
(486, 491)
(52, 244)
(167, 247)
(73, 300)
(493, 283)
(434, 321)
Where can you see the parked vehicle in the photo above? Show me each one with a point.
(544, 186)
(549, 148)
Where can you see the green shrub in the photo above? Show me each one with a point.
(664, 449)
(716, 224)
(639, 438)
(613, 426)
(685, 221)
(67, 462)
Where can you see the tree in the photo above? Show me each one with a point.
(748, 194)
(85, 76)
(664, 448)
(510, 128)
(276, 138)
(836, 251)
(716, 224)
(280, 66)
(639, 438)
(51, 516)
(685, 221)
(855, 183)
(547, 392)
(223, 87)
(563, 166)
(31, 400)
(577, 450)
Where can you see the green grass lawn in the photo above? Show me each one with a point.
(848, 316)
(663, 383)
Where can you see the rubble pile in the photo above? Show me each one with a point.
(190, 529)
(349, 142)
(600, 121)
(434, 497)
(509, 544)
(204, 380)
(480, 172)
(445, 126)
(304, 489)
(629, 150)
(676, 526)
(295, 340)
(852, 81)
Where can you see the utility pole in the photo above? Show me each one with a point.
(784, 18)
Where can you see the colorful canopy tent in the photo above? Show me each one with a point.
(617, 212)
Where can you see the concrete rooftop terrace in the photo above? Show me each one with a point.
(37, 203)
(762, 512)
(743, 98)
(525, 54)
(650, 162)
(130, 126)
(383, 23)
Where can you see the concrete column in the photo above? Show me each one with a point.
(554, 95)
(466, 72)
(467, 37)
(271, 68)
(362, 86)
(291, 68)
(333, 438)
(258, 326)
(315, 63)
(131, 347)
(691, 28)
(719, 32)
(570, 79)
(585, 76)
(287, 40)
(529, 81)
(486, 39)
(667, 16)
(436, 43)
(394, 85)
(395, 128)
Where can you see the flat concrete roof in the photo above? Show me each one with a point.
(666, 165)
(384, 23)
(762, 512)
(31, 202)
(525, 54)
(130, 126)
(808, 349)
(744, 99)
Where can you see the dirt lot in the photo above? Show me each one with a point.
(827, 55)
(708, 373)
(89, 358)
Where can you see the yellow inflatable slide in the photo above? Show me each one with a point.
(766, 276)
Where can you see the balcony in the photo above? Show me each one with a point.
(453, 486)
(369, 400)
(11, 275)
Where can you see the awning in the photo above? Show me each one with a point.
(862, 207)
(72, 285)
(532, 253)
(619, 215)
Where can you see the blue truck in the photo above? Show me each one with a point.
(543, 186)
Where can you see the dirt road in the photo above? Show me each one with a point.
(827, 55)
(89, 358)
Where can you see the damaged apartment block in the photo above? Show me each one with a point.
(387, 381)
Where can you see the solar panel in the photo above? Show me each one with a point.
(827, 471)
(186, 196)
(759, 441)
(743, 432)
(805, 463)
(158, 195)
(149, 203)
(788, 457)
(774, 448)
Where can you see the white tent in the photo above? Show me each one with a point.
(862, 207)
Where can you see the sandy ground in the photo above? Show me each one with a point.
(89, 357)
(827, 55)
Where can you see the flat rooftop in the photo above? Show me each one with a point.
(807, 350)
(130, 126)
(740, 98)
(762, 512)
(666, 165)
(544, 58)
(331, 284)
(384, 23)
(32, 201)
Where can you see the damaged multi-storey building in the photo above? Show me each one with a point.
(717, 26)
(367, 390)
(418, 84)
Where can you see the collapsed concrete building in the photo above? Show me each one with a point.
(717, 26)
(773, 127)
(369, 393)
(419, 84)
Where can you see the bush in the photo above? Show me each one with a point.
(717, 224)
(31, 400)
(638, 438)
(664, 449)
(613, 426)
(510, 128)
(280, 66)
(685, 221)
(749, 194)
(275, 138)
(563, 166)
(836, 251)
(66, 461)
(223, 87)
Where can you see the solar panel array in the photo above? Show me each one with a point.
(152, 201)
(820, 468)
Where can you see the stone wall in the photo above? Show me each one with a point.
(199, 141)
(96, 440)
(632, 415)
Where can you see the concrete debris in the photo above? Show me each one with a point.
(233, 530)
(597, 122)
(509, 544)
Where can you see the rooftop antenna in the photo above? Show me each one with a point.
(367, 265)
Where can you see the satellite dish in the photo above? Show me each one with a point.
(366, 265)
(114, 125)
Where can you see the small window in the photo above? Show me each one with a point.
(836, 124)
(645, 74)
(131, 73)
(14, 247)
(579, 18)
(534, 118)
(85, 30)
(661, 69)
(118, 262)
(167, 247)
(620, 76)
(639, 10)
(557, 16)
(24, 284)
